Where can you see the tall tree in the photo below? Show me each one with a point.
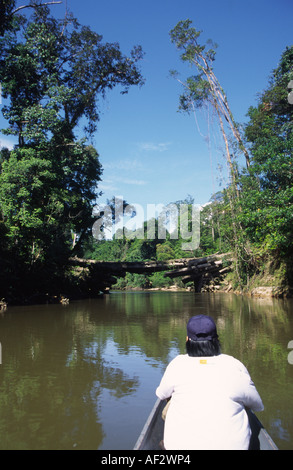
(268, 213)
(8, 10)
(205, 87)
(53, 74)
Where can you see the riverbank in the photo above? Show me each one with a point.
(271, 282)
(225, 287)
(267, 284)
(257, 293)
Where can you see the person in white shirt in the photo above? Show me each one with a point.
(209, 393)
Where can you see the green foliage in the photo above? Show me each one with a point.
(267, 198)
(198, 88)
(165, 251)
(254, 219)
(6, 9)
(23, 182)
(52, 74)
(158, 281)
(255, 223)
(205, 89)
(259, 225)
(133, 281)
(132, 249)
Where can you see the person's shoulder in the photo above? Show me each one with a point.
(180, 359)
(232, 362)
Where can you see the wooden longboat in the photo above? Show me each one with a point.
(152, 432)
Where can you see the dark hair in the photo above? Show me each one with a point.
(203, 348)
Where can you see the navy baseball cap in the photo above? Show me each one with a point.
(201, 328)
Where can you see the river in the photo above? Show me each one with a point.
(83, 375)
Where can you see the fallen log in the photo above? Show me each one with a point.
(193, 270)
(174, 268)
(205, 259)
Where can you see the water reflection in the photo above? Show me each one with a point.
(83, 375)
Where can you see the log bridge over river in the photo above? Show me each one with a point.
(200, 271)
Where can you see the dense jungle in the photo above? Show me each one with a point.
(49, 181)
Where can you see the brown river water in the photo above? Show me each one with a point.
(83, 375)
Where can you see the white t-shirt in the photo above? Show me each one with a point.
(207, 409)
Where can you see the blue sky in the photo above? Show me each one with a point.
(151, 154)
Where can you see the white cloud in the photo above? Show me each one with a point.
(130, 181)
(4, 142)
(107, 186)
(123, 165)
(112, 184)
(154, 147)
